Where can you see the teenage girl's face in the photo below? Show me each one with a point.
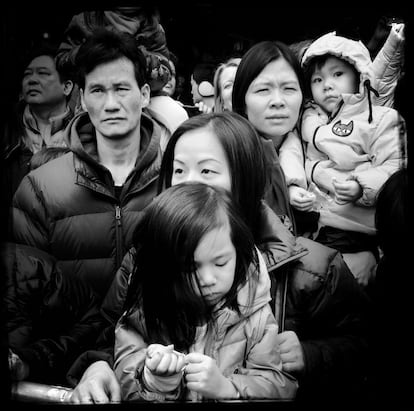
(199, 156)
(215, 260)
(330, 81)
(273, 99)
(226, 86)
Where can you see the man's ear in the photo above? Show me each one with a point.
(68, 87)
(145, 93)
(82, 100)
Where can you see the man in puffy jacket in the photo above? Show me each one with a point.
(82, 207)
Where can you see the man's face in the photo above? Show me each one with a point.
(41, 84)
(113, 99)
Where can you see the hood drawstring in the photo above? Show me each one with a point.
(367, 85)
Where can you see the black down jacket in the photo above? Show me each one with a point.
(68, 207)
(50, 318)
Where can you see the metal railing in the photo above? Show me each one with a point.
(26, 391)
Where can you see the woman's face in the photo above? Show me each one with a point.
(273, 99)
(226, 86)
(199, 156)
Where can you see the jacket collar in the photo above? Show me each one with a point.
(82, 140)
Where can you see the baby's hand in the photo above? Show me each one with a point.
(398, 29)
(346, 191)
(300, 198)
(164, 360)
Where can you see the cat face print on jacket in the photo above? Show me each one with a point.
(341, 129)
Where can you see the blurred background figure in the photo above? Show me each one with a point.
(223, 84)
(40, 117)
(202, 88)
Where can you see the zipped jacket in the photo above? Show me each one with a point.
(358, 141)
(68, 207)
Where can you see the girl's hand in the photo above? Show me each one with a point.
(300, 198)
(164, 360)
(203, 376)
(346, 191)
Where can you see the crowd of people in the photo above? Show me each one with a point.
(236, 248)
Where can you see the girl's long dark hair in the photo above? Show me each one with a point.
(164, 281)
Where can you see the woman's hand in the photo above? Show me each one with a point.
(19, 370)
(291, 352)
(98, 385)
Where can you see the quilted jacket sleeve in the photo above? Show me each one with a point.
(387, 150)
(387, 67)
(29, 215)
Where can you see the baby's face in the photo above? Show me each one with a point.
(333, 79)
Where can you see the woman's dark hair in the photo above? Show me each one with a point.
(252, 64)
(164, 281)
(316, 63)
(244, 152)
(105, 46)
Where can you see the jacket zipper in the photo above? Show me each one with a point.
(118, 231)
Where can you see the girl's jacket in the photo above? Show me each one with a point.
(50, 318)
(323, 305)
(244, 347)
(358, 141)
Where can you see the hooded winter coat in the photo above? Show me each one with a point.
(358, 141)
(68, 207)
(243, 345)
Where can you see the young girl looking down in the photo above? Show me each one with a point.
(197, 322)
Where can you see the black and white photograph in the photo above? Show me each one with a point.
(205, 204)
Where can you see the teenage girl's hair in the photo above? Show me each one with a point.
(105, 46)
(245, 156)
(253, 62)
(164, 281)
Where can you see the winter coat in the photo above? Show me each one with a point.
(323, 304)
(68, 207)
(22, 138)
(51, 318)
(168, 113)
(388, 68)
(359, 141)
(243, 345)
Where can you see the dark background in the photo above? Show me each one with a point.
(195, 31)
